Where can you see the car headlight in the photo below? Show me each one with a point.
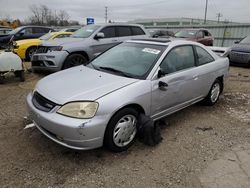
(83, 110)
(56, 48)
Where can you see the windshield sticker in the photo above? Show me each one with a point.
(152, 51)
(191, 33)
(89, 30)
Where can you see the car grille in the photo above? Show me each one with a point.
(37, 63)
(42, 49)
(42, 103)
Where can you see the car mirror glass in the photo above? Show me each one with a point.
(161, 73)
(99, 35)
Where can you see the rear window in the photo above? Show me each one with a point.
(124, 31)
(203, 56)
(137, 31)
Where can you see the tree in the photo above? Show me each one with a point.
(42, 15)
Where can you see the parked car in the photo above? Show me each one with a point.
(70, 29)
(24, 32)
(220, 51)
(85, 44)
(202, 36)
(160, 33)
(240, 52)
(87, 106)
(26, 48)
(4, 31)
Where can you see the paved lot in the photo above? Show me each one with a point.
(202, 147)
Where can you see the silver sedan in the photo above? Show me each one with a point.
(86, 107)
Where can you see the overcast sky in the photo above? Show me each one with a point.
(125, 10)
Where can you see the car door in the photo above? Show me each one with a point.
(200, 37)
(25, 33)
(124, 33)
(102, 44)
(205, 70)
(180, 84)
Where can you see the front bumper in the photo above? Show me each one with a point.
(50, 61)
(239, 58)
(79, 134)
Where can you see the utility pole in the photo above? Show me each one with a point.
(205, 19)
(106, 14)
(219, 15)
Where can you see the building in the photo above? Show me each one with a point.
(173, 22)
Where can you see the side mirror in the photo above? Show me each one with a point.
(99, 35)
(161, 73)
(236, 42)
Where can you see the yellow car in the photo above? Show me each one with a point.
(25, 48)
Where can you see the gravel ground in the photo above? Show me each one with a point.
(29, 159)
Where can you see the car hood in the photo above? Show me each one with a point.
(28, 41)
(241, 48)
(80, 84)
(62, 41)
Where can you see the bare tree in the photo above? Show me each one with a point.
(63, 17)
(42, 15)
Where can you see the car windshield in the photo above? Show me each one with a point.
(13, 32)
(47, 36)
(185, 34)
(245, 40)
(129, 59)
(85, 32)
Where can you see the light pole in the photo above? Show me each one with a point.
(205, 19)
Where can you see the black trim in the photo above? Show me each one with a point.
(42, 103)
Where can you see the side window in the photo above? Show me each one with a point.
(124, 31)
(26, 31)
(137, 31)
(200, 34)
(39, 30)
(61, 36)
(109, 32)
(203, 56)
(177, 59)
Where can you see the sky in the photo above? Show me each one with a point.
(127, 10)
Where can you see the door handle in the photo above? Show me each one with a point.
(162, 85)
(195, 77)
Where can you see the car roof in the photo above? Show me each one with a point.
(119, 24)
(163, 42)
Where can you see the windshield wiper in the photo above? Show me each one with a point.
(116, 71)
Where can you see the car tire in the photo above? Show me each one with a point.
(214, 93)
(29, 52)
(121, 130)
(75, 60)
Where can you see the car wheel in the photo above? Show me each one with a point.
(214, 93)
(121, 130)
(74, 60)
(29, 53)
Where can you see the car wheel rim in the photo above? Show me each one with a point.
(31, 52)
(77, 61)
(215, 92)
(125, 131)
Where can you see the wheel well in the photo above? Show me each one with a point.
(137, 107)
(82, 53)
(26, 52)
(221, 79)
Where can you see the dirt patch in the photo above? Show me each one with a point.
(28, 159)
